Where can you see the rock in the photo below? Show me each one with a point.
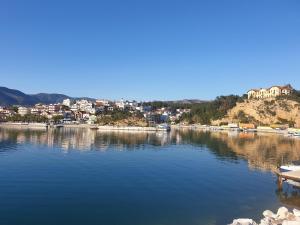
(288, 222)
(243, 222)
(296, 212)
(267, 221)
(269, 214)
(282, 213)
(290, 216)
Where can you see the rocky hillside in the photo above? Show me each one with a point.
(264, 112)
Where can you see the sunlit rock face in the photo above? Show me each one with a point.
(265, 111)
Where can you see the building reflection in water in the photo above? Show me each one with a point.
(264, 151)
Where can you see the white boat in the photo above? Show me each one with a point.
(297, 134)
(163, 127)
(289, 167)
(94, 127)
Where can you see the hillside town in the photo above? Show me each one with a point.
(89, 112)
(268, 109)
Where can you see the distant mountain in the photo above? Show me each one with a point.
(50, 98)
(189, 101)
(16, 97)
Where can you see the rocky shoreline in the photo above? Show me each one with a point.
(282, 217)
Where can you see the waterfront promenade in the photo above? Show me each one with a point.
(16, 125)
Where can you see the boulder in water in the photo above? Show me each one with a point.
(289, 222)
(267, 221)
(243, 222)
(282, 213)
(296, 212)
(269, 214)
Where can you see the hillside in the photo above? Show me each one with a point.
(15, 97)
(264, 112)
(50, 98)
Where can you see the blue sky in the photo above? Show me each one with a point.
(149, 49)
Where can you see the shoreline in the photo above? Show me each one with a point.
(228, 129)
(82, 126)
(45, 126)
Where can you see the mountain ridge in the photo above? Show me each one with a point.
(16, 97)
(10, 96)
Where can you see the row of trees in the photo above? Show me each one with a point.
(205, 112)
(111, 117)
(31, 118)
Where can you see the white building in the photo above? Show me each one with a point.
(120, 104)
(67, 102)
(35, 111)
(53, 108)
(102, 102)
(23, 111)
(85, 105)
(74, 107)
(271, 92)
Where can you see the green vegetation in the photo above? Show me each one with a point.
(242, 117)
(57, 118)
(29, 118)
(112, 117)
(203, 113)
(291, 123)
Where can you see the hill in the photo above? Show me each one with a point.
(206, 112)
(15, 97)
(264, 112)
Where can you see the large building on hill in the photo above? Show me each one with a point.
(271, 92)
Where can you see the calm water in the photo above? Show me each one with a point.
(74, 176)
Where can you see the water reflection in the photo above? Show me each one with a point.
(263, 151)
(289, 194)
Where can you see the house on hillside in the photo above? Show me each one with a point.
(271, 92)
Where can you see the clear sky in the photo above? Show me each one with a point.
(149, 49)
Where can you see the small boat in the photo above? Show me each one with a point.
(297, 134)
(294, 166)
(250, 130)
(94, 127)
(163, 127)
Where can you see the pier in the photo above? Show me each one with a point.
(290, 175)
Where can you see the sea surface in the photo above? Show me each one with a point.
(80, 176)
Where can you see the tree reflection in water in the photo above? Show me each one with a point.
(289, 194)
(263, 151)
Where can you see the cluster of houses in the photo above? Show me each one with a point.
(271, 92)
(86, 111)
